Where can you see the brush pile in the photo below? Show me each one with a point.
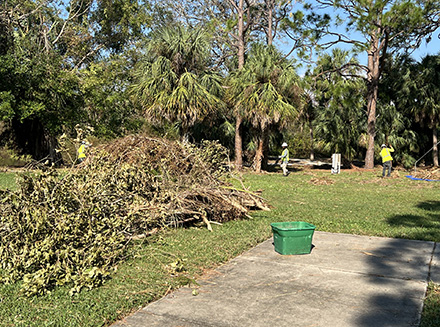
(72, 228)
(432, 173)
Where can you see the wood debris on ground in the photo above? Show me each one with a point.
(72, 227)
(321, 181)
(188, 181)
(432, 173)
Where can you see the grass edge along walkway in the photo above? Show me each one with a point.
(352, 202)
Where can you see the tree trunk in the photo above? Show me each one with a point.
(259, 155)
(372, 91)
(184, 137)
(371, 121)
(260, 160)
(238, 143)
(347, 164)
(434, 148)
(32, 138)
(241, 36)
(264, 162)
(55, 157)
(238, 117)
(270, 5)
(312, 145)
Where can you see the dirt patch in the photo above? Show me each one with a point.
(321, 181)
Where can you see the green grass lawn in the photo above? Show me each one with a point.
(7, 180)
(351, 202)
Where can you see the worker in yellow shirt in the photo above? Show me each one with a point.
(387, 160)
(81, 151)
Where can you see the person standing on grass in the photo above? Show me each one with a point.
(387, 160)
(284, 159)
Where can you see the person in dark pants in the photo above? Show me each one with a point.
(387, 160)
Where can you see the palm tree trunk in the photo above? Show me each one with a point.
(238, 143)
(185, 134)
(260, 160)
(435, 148)
(265, 159)
(312, 145)
(259, 155)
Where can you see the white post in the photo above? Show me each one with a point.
(336, 163)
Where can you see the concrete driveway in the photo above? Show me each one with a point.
(346, 280)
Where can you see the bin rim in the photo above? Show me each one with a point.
(306, 226)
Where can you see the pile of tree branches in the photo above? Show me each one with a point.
(432, 173)
(73, 227)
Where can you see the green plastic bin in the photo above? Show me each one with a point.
(293, 237)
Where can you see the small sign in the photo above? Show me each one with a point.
(336, 163)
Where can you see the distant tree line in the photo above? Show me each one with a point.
(249, 73)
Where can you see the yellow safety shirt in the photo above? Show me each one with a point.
(386, 155)
(285, 155)
(81, 153)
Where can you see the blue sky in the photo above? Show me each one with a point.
(431, 48)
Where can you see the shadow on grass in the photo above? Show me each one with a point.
(429, 206)
(420, 227)
(277, 169)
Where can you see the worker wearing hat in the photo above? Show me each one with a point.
(81, 151)
(387, 160)
(284, 159)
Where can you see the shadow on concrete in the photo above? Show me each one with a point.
(403, 260)
(387, 311)
(415, 256)
(401, 268)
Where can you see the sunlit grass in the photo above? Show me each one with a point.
(351, 202)
(355, 202)
(431, 309)
(8, 180)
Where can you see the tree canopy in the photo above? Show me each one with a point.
(205, 66)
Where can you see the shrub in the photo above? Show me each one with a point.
(72, 228)
(10, 158)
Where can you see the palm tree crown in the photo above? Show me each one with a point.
(174, 82)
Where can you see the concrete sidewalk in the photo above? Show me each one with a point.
(346, 280)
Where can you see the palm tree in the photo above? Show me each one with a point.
(395, 123)
(427, 104)
(263, 91)
(174, 82)
(339, 117)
